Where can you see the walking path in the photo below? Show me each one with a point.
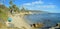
(19, 22)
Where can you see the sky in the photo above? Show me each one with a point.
(52, 6)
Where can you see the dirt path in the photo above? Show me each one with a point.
(19, 22)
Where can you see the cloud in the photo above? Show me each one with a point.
(27, 4)
(50, 6)
(38, 2)
(33, 3)
(47, 6)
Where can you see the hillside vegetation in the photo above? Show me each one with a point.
(3, 12)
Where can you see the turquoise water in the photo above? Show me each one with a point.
(47, 19)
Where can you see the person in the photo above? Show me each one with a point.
(34, 25)
(56, 24)
(10, 11)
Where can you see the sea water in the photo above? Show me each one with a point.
(49, 19)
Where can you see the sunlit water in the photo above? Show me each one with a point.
(48, 19)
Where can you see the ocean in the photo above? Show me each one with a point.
(49, 19)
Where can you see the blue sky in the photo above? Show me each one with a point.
(44, 5)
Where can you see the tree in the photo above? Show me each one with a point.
(11, 3)
(23, 9)
(16, 9)
(13, 7)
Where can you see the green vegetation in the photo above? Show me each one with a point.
(3, 12)
(13, 7)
